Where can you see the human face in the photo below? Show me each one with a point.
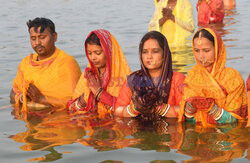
(152, 55)
(204, 52)
(43, 43)
(96, 55)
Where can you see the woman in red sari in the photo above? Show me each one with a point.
(210, 11)
(152, 90)
(100, 84)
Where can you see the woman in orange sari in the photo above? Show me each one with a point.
(100, 84)
(154, 88)
(210, 11)
(214, 94)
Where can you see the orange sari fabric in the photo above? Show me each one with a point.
(225, 85)
(175, 96)
(55, 77)
(116, 71)
(210, 11)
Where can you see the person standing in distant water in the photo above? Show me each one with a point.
(174, 19)
(229, 4)
(248, 93)
(210, 11)
(47, 78)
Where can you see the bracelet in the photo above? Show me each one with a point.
(168, 107)
(21, 98)
(76, 105)
(188, 116)
(98, 91)
(131, 111)
(158, 109)
(111, 108)
(189, 109)
(216, 112)
(222, 111)
(99, 94)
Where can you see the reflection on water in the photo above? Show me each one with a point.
(46, 130)
(182, 58)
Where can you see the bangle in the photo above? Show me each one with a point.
(189, 109)
(21, 98)
(76, 105)
(188, 116)
(222, 111)
(168, 107)
(111, 108)
(99, 94)
(131, 110)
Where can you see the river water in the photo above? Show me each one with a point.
(59, 138)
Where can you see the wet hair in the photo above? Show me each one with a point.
(93, 39)
(152, 35)
(205, 34)
(43, 23)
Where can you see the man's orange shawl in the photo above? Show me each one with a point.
(55, 77)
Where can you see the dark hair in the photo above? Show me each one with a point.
(43, 23)
(93, 39)
(153, 35)
(205, 34)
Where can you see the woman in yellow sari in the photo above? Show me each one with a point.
(214, 94)
(100, 84)
(174, 19)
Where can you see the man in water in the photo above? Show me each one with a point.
(48, 77)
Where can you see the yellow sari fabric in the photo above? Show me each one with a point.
(119, 71)
(55, 77)
(210, 85)
(174, 33)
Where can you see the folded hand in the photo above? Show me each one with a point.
(94, 82)
(166, 12)
(201, 103)
(34, 94)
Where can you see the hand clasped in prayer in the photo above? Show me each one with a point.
(34, 94)
(93, 81)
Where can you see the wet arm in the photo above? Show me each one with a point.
(124, 106)
(221, 115)
(167, 110)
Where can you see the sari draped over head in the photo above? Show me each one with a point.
(175, 34)
(224, 85)
(55, 77)
(145, 94)
(116, 71)
(210, 11)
